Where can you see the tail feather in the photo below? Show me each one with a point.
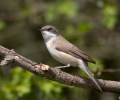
(94, 80)
(83, 65)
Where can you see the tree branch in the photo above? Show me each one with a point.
(10, 56)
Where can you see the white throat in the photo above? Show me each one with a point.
(48, 36)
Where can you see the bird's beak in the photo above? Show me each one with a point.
(42, 29)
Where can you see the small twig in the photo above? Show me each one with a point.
(110, 70)
(99, 71)
(8, 59)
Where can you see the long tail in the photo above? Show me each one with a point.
(94, 80)
(85, 68)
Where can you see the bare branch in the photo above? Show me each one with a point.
(56, 74)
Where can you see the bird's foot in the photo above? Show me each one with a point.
(62, 66)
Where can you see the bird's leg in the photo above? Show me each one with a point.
(68, 65)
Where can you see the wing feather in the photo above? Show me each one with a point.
(73, 50)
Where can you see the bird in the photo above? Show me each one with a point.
(65, 52)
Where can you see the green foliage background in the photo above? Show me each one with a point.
(92, 25)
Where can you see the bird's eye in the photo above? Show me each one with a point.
(49, 29)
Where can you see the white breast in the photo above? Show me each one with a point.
(60, 56)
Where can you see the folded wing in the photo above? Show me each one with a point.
(73, 50)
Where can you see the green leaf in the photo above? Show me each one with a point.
(68, 8)
(50, 14)
(2, 25)
(19, 85)
(85, 26)
(110, 16)
(49, 86)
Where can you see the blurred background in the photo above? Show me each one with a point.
(92, 25)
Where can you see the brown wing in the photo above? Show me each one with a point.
(73, 50)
